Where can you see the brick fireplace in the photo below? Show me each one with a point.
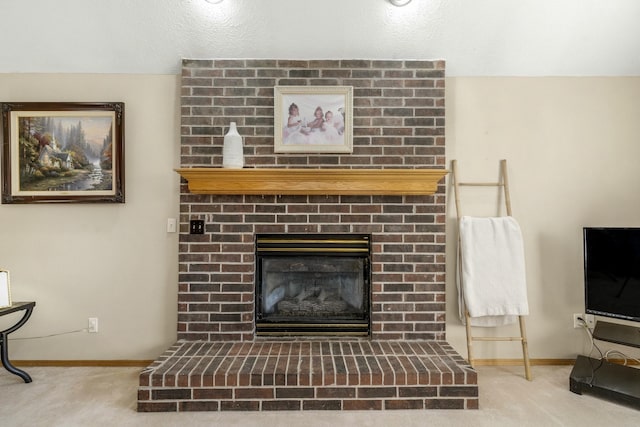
(218, 362)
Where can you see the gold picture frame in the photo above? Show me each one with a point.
(313, 119)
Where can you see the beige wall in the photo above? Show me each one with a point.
(572, 146)
(111, 261)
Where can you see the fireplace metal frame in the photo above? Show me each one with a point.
(268, 246)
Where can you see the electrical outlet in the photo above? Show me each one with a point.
(577, 323)
(93, 325)
(591, 320)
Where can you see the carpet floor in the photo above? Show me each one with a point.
(94, 396)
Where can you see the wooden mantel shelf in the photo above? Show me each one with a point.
(279, 181)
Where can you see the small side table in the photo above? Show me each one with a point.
(4, 341)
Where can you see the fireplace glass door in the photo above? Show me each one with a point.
(312, 284)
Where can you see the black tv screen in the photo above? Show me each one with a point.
(612, 272)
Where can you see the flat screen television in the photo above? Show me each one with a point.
(612, 272)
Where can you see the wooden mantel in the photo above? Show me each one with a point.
(279, 181)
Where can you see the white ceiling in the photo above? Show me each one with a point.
(475, 37)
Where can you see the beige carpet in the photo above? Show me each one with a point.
(107, 397)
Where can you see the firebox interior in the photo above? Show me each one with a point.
(313, 284)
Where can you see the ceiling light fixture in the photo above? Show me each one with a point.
(399, 2)
(220, 1)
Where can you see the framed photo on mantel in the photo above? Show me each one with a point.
(313, 119)
(62, 152)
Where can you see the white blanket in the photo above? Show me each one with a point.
(492, 271)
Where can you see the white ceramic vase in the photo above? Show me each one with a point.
(232, 151)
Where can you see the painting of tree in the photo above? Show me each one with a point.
(62, 152)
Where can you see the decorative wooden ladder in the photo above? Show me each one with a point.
(503, 182)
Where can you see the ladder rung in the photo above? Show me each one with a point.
(481, 184)
(496, 338)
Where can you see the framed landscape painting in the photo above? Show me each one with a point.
(62, 152)
(313, 119)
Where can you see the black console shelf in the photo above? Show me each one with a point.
(606, 379)
(616, 333)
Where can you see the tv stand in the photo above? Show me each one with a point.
(616, 333)
(611, 380)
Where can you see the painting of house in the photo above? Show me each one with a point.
(51, 156)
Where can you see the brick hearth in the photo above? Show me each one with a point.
(218, 363)
(308, 375)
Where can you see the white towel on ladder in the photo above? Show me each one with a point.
(492, 270)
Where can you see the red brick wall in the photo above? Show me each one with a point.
(398, 122)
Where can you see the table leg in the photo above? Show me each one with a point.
(4, 347)
(4, 356)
